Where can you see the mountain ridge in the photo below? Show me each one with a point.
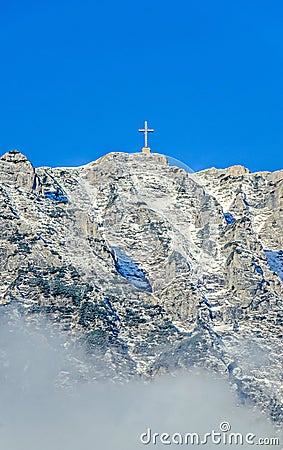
(152, 268)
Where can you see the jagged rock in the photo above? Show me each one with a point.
(16, 170)
(150, 267)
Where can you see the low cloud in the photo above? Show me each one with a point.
(44, 406)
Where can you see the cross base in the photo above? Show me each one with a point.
(145, 150)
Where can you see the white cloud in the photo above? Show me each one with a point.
(36, 415)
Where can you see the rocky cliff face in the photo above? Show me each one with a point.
(152, 269)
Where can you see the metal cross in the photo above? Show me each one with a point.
(146, 130)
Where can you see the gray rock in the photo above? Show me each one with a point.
(152, 269)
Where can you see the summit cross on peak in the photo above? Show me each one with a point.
(146, 130)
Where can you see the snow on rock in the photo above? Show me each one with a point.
(15, 168)
(85, 246)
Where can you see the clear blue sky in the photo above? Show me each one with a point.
(78, 78)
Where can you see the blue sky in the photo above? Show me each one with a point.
(78, 79)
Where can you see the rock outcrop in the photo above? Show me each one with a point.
(152, 269)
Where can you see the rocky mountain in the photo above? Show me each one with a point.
(150, 268)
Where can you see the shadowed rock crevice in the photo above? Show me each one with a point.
(130, 270)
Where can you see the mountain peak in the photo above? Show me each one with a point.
(16, 169)
(236, 170)
(152, 269)
(14, 156)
